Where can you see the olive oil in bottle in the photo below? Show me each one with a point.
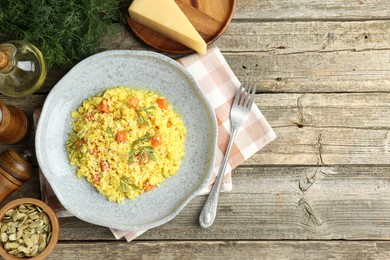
(22, 69)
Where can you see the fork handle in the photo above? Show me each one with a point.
(209, 210)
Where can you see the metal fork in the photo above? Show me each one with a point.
(239, 113)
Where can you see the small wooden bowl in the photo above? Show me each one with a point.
(54, 224)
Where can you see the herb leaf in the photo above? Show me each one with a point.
(125, 185)
(110, 132)
(143, 113)
(73, 145)
(142, 151)
(147, 151)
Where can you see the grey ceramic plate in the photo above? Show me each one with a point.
(134, 69)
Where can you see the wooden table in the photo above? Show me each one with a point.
(322, 188)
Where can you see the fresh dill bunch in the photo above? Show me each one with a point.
(64, 30)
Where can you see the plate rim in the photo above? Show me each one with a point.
(184, 202)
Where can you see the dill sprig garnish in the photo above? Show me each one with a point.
(73, 145)
(110, 132)
(142, 151)
(146, 137)
(142, 113)
(147, 151)
(64, 30)
(125, 185)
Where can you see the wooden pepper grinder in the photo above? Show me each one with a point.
(14, 171)
(13, 124)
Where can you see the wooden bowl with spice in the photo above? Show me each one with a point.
(29, 228)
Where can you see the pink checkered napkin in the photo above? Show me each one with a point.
(219, 84)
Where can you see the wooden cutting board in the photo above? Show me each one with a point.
(209, 17)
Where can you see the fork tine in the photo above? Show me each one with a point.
(243, 93)
(238, 94)
(246, 95)
(252, 96)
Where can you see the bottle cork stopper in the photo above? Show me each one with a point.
(5, 61)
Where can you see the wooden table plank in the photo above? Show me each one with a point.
(225, 250)
(312, 10)
(299, 37)
(281, 37)
(299, 57)
(344, 71)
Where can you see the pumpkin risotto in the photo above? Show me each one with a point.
(126, 142)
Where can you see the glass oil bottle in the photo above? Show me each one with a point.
(22, 69)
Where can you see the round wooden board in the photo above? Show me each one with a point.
(209, 17)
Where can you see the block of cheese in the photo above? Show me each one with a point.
(166, 18)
